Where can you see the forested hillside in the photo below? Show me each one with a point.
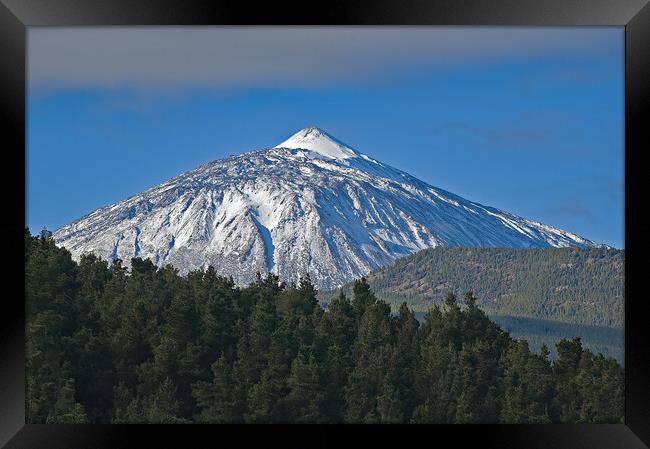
(570, 285)
(145, 345)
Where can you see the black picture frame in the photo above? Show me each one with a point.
(634, 15)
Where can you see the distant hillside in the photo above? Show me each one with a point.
(567, 285)
(538, 295)
(605, 340)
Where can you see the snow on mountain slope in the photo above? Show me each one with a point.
(318, 141)
(309, 205)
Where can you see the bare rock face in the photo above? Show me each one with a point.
(309, 205)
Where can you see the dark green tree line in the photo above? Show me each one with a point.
(146, 345)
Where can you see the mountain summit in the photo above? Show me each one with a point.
(318, 141)
(309, 205)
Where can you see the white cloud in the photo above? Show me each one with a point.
(225, 57)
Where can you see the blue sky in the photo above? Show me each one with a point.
(526, 120)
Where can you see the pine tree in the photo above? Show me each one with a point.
(162, 406)
(255, 340)
(435, 383)
(566, 370)
(221, 400)
(363, 297)
(405, 360)
(527, 386)
(305, 396)
(389, 405)
(265, 397)
(66, 410)
(371, 352)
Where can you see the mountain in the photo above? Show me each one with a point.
(569, 285)
(309, 205)
(539, 295)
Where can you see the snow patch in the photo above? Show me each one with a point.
(318, 141)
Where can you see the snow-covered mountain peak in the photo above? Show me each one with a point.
(312, 205)
(318, 141)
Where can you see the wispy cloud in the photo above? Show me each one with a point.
(221, 57)
(569, 77)
(577, 205)
(500, 135)
(529, 128)
(573, 209)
